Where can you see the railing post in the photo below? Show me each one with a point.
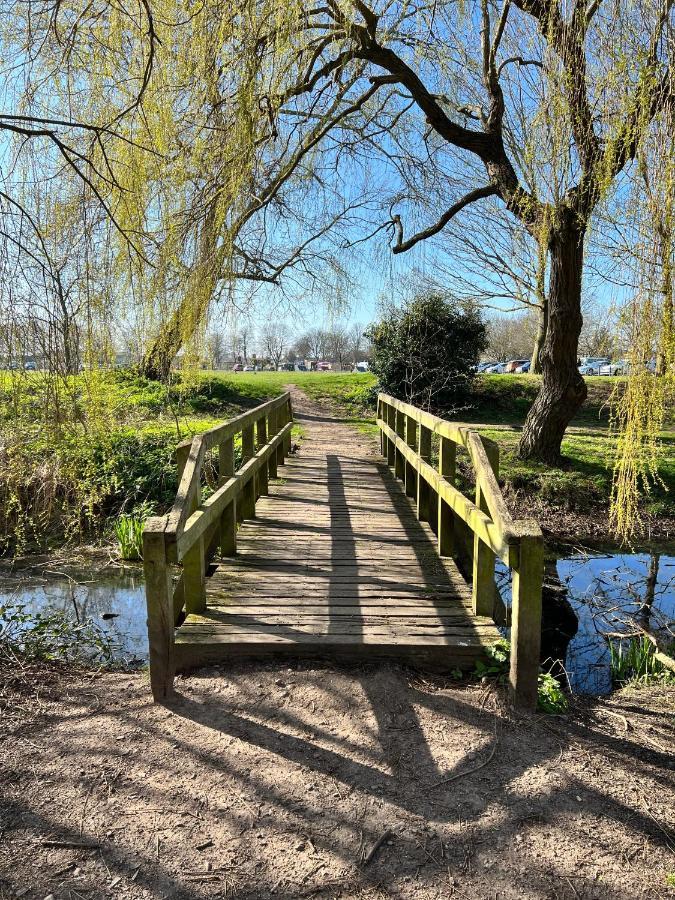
(410, 470)
(228, 520)
(391, 447)
(423, 491)
(528, 576)
(381, 407)
(273, 429)
(483, 586)
(248, 491)
(159, 599)
(263, 478)
(289, 418)
(447, 464)
(399, 464)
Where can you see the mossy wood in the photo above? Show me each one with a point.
(338, 561)
(518, 543)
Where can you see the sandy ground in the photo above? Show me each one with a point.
(268, 781)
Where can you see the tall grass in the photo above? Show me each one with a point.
(129, 534)
(633, 659)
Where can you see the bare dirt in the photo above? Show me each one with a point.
(273, 782)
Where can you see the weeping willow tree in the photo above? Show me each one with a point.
(642, 409)
(215, 144)
(539, 106)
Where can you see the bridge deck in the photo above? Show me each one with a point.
(335, 564)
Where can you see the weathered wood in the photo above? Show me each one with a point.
(476, 532)
(158, 593)
(447, 463)
(410, 470)
(248, 497)
(399, 465)
(228, 518)
(483, 581)
(528, 577)
(423, 488)
(194, 571)
(274, 428)
(262, 480)
(391, 419)
(215, 436)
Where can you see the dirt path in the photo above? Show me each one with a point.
(269, 781)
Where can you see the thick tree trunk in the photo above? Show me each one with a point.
(162, 351)
(563, 389)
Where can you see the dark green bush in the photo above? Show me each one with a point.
(426, 351)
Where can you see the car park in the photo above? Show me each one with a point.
(514, 364)
(618, 367)
(592, 365)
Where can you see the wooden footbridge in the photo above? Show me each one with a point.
(335, 551)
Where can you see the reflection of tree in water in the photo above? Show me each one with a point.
(623, 595)
(588, 596)
(115, 603)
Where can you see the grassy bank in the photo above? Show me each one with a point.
(77, 453)
(498, 407)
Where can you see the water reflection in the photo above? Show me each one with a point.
(586, 597)
(609, 594)
(115, 602)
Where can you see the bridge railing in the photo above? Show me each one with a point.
(198, 527)
(472, 532)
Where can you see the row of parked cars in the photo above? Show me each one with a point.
(589, 365)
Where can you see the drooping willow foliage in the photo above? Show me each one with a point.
(202, 145)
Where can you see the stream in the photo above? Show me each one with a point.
(588, 593)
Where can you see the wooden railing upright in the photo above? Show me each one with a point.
(473, 532)
(196, 528)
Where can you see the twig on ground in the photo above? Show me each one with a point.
(474, 769)
(70, 845)
(371, 855)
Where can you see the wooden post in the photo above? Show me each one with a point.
(528, 576)
(483, 587)
(391, 422)
(228, 520)
(399, 465)
(288, 418)
(447, 465)
(423, 491)
(248, 491)
(263, 477)
(194, 569)
(273, 429)
(280, 424)
(381, 414)
(159, 600)
(410, 470)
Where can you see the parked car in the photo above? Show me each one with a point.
(514, 364)
(237, 368)
(618, 367)
(592, 365)
(249, 369)
(302, 367)
(521, 370)
(30, 367)
(496, 369)
(484, 366)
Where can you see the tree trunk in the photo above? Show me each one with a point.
(563, 389)
(540, 337)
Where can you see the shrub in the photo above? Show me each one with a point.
(425, 352)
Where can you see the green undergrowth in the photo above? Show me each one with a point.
(633, 660)
(551, 698)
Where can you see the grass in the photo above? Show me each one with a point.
(634, 660)
(77, 454)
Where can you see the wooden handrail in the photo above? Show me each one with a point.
(405, 434)
(194, 528)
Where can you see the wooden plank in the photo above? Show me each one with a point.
(159, 599)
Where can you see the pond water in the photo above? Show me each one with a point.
(609, 594)
(113, 601)
(588, 594)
